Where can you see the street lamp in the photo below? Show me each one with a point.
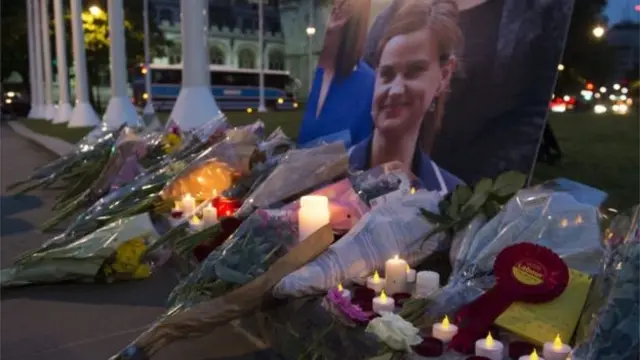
(598, 31)
(560, 67)
(95, 10)
(310, 32)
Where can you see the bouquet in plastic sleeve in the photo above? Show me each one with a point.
(549, 222)
(111, 253)
(71, 167)
(235, 279)
(298, 172)
(608, 328)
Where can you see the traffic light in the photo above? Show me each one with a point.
(590, 86)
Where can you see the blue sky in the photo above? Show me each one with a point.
(617, 10)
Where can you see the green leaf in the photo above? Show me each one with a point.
(509, 183)
(491, 208)
(484, 186)
(458, 198)
(433, 217)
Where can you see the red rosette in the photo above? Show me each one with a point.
(176, 214)
(524, 272)
(429, 347)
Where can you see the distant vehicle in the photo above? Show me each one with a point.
(15, 100)
(234, 89)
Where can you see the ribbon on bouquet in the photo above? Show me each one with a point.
(524, 272)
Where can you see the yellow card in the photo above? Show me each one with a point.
(540, 323)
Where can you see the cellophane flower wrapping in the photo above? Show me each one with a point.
(298, 172)
(269, 228)
(609, 327)
(555, 220)
(110, 253)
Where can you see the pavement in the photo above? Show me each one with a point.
(80, 321)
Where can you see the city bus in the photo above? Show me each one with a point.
(233, 89)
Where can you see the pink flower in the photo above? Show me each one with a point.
(351, 311)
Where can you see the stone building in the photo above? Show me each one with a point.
(233, 34)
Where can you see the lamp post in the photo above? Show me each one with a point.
(310, 32)
(148, 113)
(261, 106)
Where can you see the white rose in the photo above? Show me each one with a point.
(394, 331)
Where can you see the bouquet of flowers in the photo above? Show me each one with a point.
(111, 253)
(71, 167)
(609, 325)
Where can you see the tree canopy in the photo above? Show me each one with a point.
(14, 37)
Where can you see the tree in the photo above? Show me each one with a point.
(14, 38)
(585, 58)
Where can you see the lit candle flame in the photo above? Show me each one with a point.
(383, 297)
(579, 219)
(413, 190)
(188, 196)
(178, 205)
(376, 277)
(564, 223)
(534, 355)
(489, 341)
(397, 257)
(445, 322)
(215, 193)
(195, 220)
(408, 268)
(340, 288)
(557, 343)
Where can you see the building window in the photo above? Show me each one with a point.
(276, 60)
(216, 55)
(246, 59)
(175, 54)
(166, 15)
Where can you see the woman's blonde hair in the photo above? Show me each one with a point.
(440, 17)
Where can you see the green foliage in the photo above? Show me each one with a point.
(462, 205)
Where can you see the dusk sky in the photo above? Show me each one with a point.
(617, 10)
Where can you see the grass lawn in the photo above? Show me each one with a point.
(599, 150)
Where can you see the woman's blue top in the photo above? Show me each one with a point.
(346, 112)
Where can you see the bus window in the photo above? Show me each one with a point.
(166, 76)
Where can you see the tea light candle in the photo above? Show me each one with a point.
(383, 303)
(195, 224)
(444, 331)
(210, 215)
(411, 275)
(375, 282)
(556, 350)
(490, 348)
(313, 215)
(345, 293)
(427, 282)
(188, 204)
(395, 274)
(533, 356)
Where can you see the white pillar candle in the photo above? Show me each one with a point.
(556, 350)
(188, 204)
(411, 275)
(313, 215)
(444, 331)
(375, 282)
(427, 282)
(344, 292)
(195, 224)
(533, 356)
(383, 303)
(395, 274)
(490, 348)
(209, 215)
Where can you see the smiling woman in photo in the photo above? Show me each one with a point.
(339, 105)
(417, 57)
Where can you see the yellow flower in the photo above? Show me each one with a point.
(172, 142)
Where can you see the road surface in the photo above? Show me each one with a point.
(84, 321)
